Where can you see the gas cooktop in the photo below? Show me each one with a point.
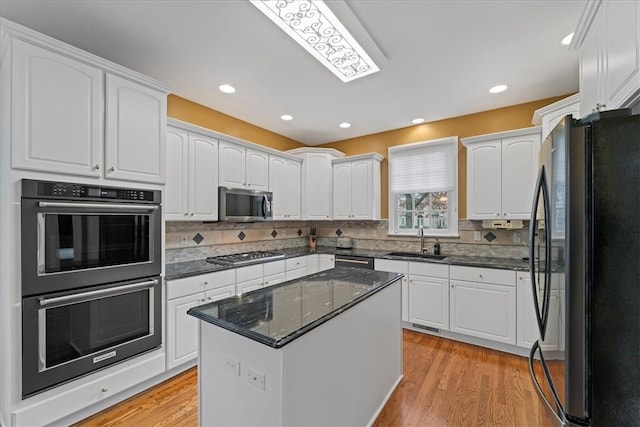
(245, 258)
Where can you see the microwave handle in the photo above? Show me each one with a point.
(117, 206)
(101, 292)
(265, 206)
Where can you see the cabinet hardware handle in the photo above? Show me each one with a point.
(191, 214)
(505, 214)
(97, 167)
(497, 214)
(104, 389)
(203, 300)
(481, 276)
(453, 286)
(186, 214)
(111, 169)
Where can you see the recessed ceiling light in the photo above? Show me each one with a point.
(345, 125)
(227, 88)
(498, 89)
(417, 121)
(314, 26)
(286, 117)
(567, 39)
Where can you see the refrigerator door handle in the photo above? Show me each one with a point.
(561, 419)
(541, 188)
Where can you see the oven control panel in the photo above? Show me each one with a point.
(65, 190)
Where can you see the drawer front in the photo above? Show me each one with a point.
(274, 267)
(295, 263)
(204, 282)
(251, 272)
(429, 269)
(391, 266)
(484, 275)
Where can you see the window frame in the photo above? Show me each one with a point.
(452, 202)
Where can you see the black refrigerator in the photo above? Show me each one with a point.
(585, 265)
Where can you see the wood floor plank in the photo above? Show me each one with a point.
(446, 383)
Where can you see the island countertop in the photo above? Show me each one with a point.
(277, 315)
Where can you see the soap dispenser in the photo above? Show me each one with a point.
(436, 248)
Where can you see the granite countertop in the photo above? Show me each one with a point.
(193, 268)
(277, 315)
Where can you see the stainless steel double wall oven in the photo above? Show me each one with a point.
(91, 285)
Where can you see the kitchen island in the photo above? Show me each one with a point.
(325, 349)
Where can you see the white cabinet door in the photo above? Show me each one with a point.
(220, 293)
(362, 189)
(203, 178)
(342, 191)
(527, 325)
(398, 267)
(176, 194)
(231, 169)
(248, 286)
(484, 180)
(284, 183)
(429, 301)
(519, 174)
(135, 131)
(591, 68)
(182, 329)
(293, 189)
(273, 279)
(57, 112)
(318, 179)
(483, 310)
(326, 262)
(621, 46)
(257, 170)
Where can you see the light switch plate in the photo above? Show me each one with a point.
(477, 236)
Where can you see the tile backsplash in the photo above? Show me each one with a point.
(187, 241)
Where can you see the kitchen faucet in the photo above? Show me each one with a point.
(421, 234)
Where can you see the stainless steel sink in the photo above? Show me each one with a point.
(417, 255)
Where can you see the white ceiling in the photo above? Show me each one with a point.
(437, 58)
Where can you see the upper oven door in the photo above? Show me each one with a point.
(69, 244)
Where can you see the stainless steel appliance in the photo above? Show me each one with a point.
(91, 284)
(76, 235)
(239, 205)
(244, 258)
(354, 261)
(585, 233)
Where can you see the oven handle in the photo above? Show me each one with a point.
(92, 294)
(353, 261)
(116, 206)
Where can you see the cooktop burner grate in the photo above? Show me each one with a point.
(244, 258)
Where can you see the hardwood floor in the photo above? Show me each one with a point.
(446, 383)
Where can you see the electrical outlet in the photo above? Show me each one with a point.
(183, 239)
(362, 232)
(476, 236)
(232, 365)
(284, 232)
(256, 378)
(517, 237)
(374, 233)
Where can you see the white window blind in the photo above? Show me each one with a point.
(426, 167)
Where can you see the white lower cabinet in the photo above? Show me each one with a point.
(182, 294)
(296, 267)
(326, 262)
(483, 303)
(249, 278)
(527, 324)
(429, 294)
(397, 267)
(273, 273)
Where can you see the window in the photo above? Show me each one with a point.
(423, 188)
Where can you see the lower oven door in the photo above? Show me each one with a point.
(69, 334)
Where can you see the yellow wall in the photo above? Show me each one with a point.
(190, 112)
(502, 119)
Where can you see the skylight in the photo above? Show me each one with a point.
(316, 28)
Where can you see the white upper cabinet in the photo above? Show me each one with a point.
(356, 187)
(609, 38)
(242, 167)
(191, 192)
(71, 117)
(550, 115)
(501, 173)
(317, 181)
(136, 121)
(285, 184)
(57, 112)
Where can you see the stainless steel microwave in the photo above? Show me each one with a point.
(240, 205)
